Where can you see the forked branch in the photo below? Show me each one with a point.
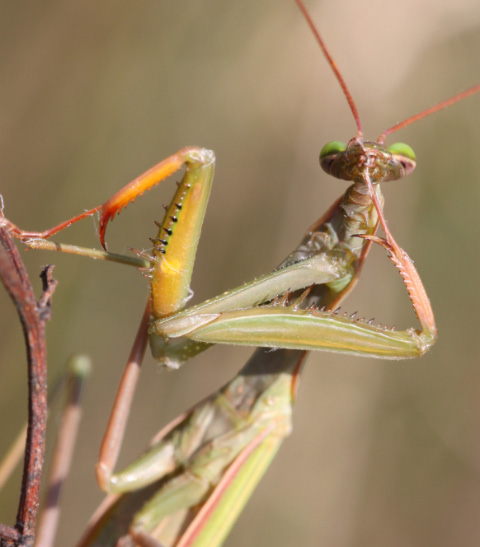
(33, 316)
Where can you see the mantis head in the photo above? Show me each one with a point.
(348, 161)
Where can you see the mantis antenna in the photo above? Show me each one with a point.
(333, 64)
(435, 108)
(400, 125)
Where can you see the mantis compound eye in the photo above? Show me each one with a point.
(405, 155)
(333, 147)
(329, 152)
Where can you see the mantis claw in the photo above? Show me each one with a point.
(413, 283)
(148, 180)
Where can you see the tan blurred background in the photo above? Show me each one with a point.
(93, 93)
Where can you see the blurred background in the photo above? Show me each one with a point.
(92, 94)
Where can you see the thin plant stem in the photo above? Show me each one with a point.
(33, 316)
(79, 369)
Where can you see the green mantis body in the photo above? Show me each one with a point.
(216, 454)
(343, 276)
(326, 265)
(337, 246)
(253, 410)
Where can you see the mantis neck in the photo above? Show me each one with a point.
(359, 216)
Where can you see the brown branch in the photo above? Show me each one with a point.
(32, 316)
